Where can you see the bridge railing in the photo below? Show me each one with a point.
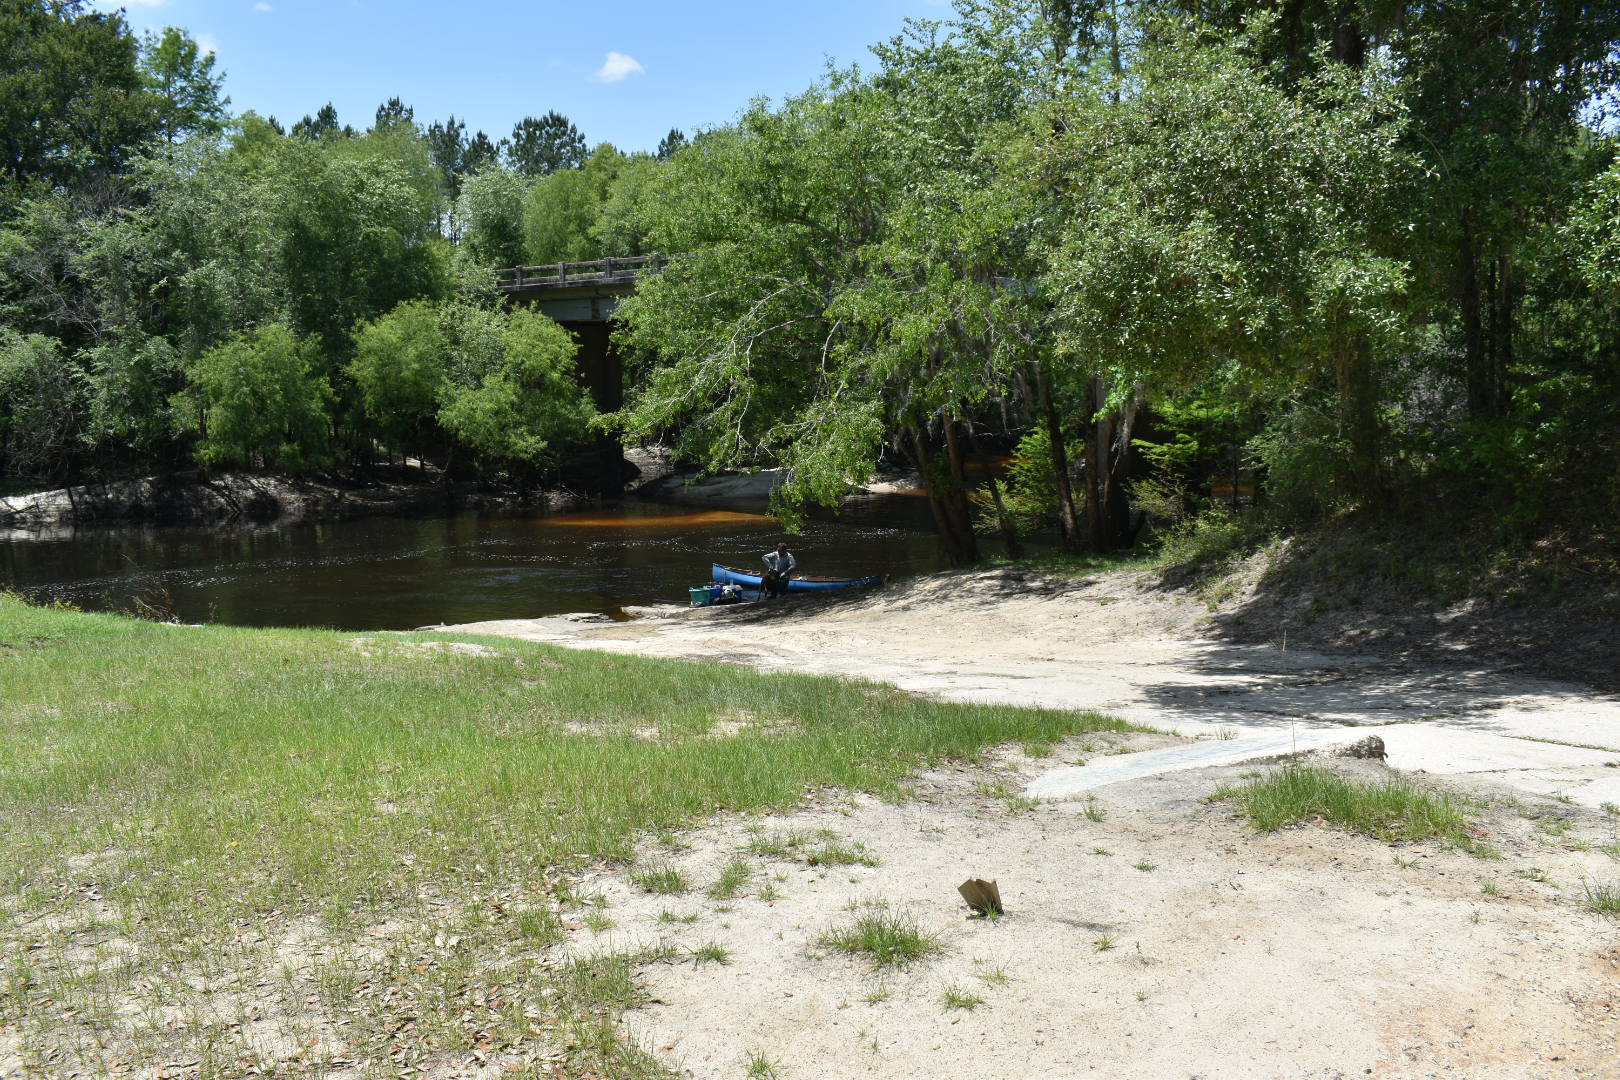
(624, 268)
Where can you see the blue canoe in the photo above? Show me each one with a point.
(730, 576)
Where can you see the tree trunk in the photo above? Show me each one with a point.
(955, 528)
(1108, 511)
(1358, 410)
(1068, 519)
(1115, 450)
(1009, 535)
(959, 511)
(1478, 362)
(1237, 472)
(1349, 39)
(1094, 468)
(1503, 302)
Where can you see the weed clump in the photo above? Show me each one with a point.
(1392, 811)
(732, 878)
(1602, 899)
(957, 997)
(661, 880)
(885, 939)
(802, 847)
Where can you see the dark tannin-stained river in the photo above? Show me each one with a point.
(398, 573)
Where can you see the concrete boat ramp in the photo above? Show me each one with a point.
(1588, 776)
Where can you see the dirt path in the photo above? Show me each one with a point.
(1149, 932)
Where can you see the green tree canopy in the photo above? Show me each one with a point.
(260, 400)
(73, 102)
(541, 146)
(323, 124)
(491, 216)
(43, 395)
(562, 209)
(520, 407)
(669, 144)
(394, 114)
(180, 76)
(501, 383)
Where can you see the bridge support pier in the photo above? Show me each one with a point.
(582, 296)
(600, 467)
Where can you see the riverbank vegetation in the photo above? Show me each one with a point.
(227, 845)
(182, 287)
(1167, 257)
(1292, 265)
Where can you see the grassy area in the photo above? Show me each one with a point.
(297, 850)
(1389, 811)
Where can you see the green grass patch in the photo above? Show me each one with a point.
(540, 926)
(733, 877)
(661, 880)
(761, 1067)
(1061, 565)
(1602, 899)
(884, 938)
(812, 849)
(1389, 811)
(783, 844)
(181, 800)
(668, 917)
(1210, 544)
(710, 952)
(851, 854)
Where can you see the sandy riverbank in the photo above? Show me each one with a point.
(1150, 934)
(238, 496)
(1113, 642)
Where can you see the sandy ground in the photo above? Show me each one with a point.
(1113, 644)
(1149, 933)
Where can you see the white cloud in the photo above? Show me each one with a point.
(262, 6)
(208, 43)
(618, 66)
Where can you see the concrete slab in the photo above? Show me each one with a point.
(1437, 749)
(1586, 776)
(1061, 783)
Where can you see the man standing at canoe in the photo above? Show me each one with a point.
(779, 566)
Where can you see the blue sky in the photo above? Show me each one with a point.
(624, 73)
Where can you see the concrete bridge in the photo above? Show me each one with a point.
(577, 292)
(582, 297)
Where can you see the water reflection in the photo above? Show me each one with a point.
(383, 573)
(633, 516)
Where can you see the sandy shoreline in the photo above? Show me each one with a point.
(1113, 644)
(1149, 933)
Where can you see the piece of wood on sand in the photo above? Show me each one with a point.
(981, 895)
